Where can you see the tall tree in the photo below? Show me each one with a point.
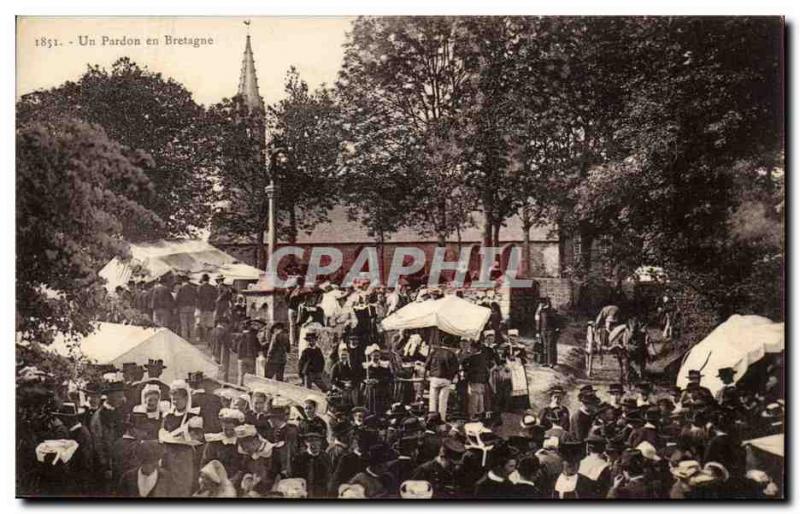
(77, 194)
(402, 88)
(142, 110)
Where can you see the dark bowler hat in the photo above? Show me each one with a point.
(595, 443)
(195, 377)
(556, 389)
(129, 366)
(150, 451)
(726, 373)
(341, 428)
(587, 390)
(68, 410)
(379, 454)
(616, 389)
(155, 363)
(694, 375)
(571, 451)
(453, 445)
(308, 436)
(644, 385)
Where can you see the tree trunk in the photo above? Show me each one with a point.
(487, 227)
(381, 242)
(292, 236)
(496, 233)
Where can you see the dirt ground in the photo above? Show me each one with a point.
(569, 372)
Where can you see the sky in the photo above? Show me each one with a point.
(211, 72)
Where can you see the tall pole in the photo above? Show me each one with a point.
(271, 235)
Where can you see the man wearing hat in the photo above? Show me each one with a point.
(205, 302)
(186, 303)
(441, 470)
(407, 448)
(278, 352)
(495, 482)
(555, 411)
(313, 465)
(281, 431)
(649, 431)
(311, 365)
(594, 473)
(617, 392)
(311, 421)
(106, 425)
(375, 479)
(633, 482)
(355, 461)
(132, 374)
(82, 462)
(209, 403)
(162, 303)
(342, 433)
(222, 446)
(441, 369)
(726, 376)
(476, 366)
(566, 485)
(694, 390)
(581, 420)
(149, 480)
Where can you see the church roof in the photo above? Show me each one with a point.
(248, 82)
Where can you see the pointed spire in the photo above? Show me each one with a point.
(248, 83)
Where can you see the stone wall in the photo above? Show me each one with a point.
(560, 291)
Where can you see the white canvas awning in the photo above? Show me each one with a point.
(113, 343)
(450, 314)
(738, 343)
(773, 444)
(191, 256)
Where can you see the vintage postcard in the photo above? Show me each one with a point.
(449, 258)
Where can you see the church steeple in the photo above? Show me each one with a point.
(248, 83)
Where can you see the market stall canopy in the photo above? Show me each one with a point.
(191, 256)
(112, 343)
(771, 444)
(737, 343)
(450, 314)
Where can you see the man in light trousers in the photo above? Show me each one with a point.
(441, 367)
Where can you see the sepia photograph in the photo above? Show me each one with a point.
(444, 258)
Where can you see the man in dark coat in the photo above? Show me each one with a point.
(495, 482)
(107, 428)
(555, 410)
(311, 365)
(313, 465)
(526, 487)
(186, 304)
(354, 462)
(278, 352)
(406, 463)
(148, 480)
(582, 419)
(162, 303)
(206, 300)
(632, 484)
(82, 463)
(594, 473)
(209, 403)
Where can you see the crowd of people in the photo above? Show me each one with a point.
(413, 414)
